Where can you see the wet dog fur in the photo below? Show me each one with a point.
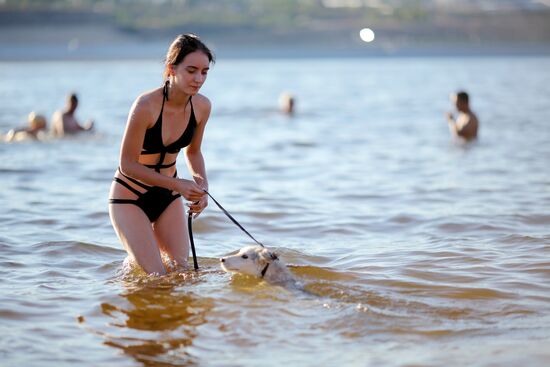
(259, 262)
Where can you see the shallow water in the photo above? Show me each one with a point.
(411, 249)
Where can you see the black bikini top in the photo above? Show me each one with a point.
(153, 144)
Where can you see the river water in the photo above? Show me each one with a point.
(412, 249)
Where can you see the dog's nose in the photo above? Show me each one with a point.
(222, 259)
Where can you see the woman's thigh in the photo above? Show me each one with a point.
(136, 234)
(171, 232)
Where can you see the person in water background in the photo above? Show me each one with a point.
(466, 123)
(64, 122)
(35, 129)
(287, 103)
(146, 208)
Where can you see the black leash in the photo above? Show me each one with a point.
(233, 219)
(189, 227)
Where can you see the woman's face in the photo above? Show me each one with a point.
(190, 74)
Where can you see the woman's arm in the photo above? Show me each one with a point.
(141, 115)
(193, 154)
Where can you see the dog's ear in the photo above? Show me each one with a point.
(268, 256)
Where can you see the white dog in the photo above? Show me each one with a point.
(260, 262)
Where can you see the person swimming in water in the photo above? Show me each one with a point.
(34, 131)
(146, 208)
(64, 122)
(466, 124)
(287, 103)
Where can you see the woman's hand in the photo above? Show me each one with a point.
(190, 190)
(198, 206)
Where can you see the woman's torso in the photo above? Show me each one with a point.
(171, 131)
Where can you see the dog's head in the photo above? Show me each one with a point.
(250, 260)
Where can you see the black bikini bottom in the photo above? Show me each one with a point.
(153, 201)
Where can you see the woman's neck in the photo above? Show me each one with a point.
(176, 97)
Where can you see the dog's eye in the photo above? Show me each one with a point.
(245, 256)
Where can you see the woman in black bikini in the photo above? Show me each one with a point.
(146, 208)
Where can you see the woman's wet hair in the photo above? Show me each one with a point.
(183, 45)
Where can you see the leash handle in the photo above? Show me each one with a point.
(191, 241)
(232, 219)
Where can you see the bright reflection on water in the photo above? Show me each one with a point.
(410, 249)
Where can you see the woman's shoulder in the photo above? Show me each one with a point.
(202, 106)
(148, 104)
(201, 101)
(150, 98)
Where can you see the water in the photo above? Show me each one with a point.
(412, 249)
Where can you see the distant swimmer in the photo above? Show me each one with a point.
(466, 124)
(287, 103)
(35, 130)
(65, 122)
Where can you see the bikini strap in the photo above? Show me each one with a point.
(126, 185)
(164, 98)
(133, 180)
(192, 112)
(155, 166)
(165, 91)
(159, 164)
